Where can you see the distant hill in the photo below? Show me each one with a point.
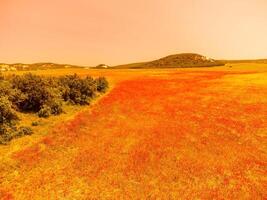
(176, 61)
(101, 66)
(184, 60)
(259, 61)
(35, 66)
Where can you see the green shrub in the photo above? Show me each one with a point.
(35, 123)
(5, 136)
(41, 95)
(13, 94)
(37, 91)
(8, 119)
(55, 106)
(7, 114)
(24, 131)
(77, 90)
(45, 112)
(102, 84)
(7, 133)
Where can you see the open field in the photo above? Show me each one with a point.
(157, 134)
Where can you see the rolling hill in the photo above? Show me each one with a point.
(176, 61)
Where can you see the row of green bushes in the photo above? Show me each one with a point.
(44, 96)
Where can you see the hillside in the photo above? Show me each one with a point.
(176, 61)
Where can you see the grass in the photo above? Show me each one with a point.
(158, 134)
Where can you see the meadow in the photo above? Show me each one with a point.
(195, 133)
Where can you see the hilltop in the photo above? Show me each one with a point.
(176, 61)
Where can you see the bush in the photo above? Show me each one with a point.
(35, 123)
(7, 133)
(14, 95)
(7, 114)
(56, 107)
(37, 91)
(102, 84)
(41, 95)
(8, 119)
(24, 131)
(45, 112)
(77, 90)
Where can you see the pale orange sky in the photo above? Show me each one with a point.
(89, 32)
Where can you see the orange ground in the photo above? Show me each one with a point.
(165, 135)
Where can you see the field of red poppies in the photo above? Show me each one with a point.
(166, 134)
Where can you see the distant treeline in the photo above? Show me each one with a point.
(44, 96)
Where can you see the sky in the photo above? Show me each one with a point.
(90, 32)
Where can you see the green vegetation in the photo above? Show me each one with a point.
(7, 114)
(77, 90)
(101, 84)
(43, 96)
(8, 120)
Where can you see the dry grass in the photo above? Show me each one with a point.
(163, 134)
